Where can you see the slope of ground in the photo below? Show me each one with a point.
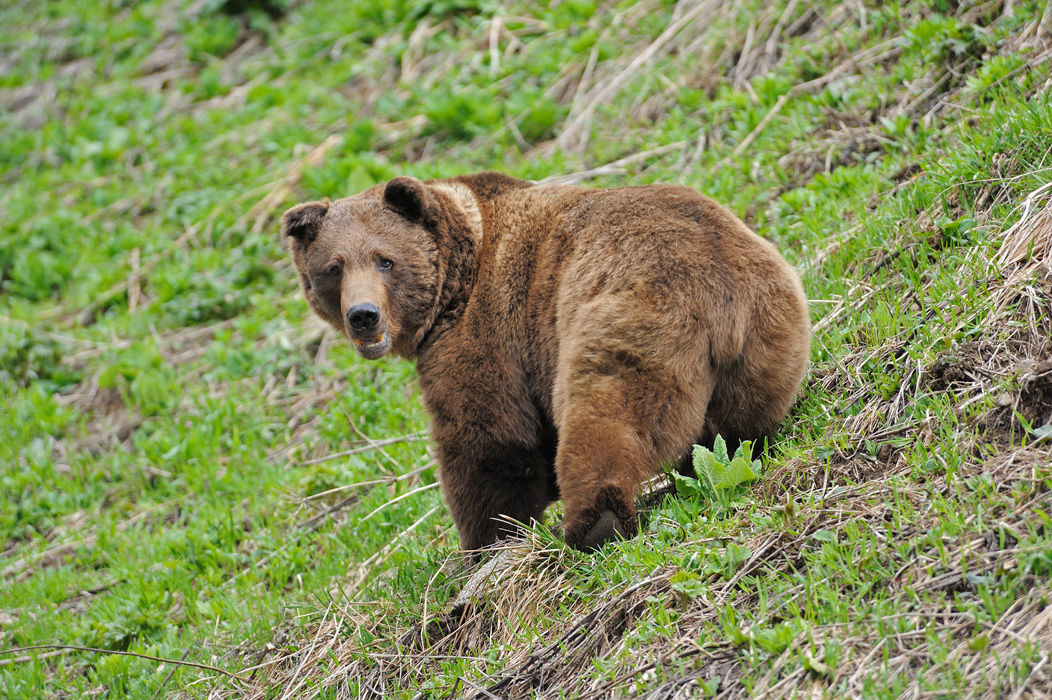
(204, 493)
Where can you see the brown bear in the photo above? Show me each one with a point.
(568, 340)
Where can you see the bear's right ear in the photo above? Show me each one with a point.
(406, 195)
(303, 221)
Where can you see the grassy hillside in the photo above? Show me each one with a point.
(203, 492)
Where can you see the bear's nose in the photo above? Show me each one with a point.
(363, 317)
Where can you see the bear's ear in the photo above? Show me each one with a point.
(303, 221)
(407, 196)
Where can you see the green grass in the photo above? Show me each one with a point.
(173, 412)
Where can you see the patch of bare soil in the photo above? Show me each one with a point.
(1030, 401)
(957, 368)
(1014, 376)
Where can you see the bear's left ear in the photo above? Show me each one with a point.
(303, 221)
(407, 196)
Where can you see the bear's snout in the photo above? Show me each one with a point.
(368, 329)
(363, 318)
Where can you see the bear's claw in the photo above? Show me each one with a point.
(607, 528)
(609, 518)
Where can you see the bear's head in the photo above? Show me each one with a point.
(374, 265)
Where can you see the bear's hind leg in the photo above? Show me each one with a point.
(615, 432)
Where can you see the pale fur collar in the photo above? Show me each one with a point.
(464, 198)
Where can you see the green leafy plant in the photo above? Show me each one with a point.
(720, 477)
(214, 34)
(28, 355)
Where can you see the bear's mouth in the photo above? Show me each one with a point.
(372, 348)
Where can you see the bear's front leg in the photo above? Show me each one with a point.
(486, 482)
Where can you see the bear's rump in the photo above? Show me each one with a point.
(652, 369)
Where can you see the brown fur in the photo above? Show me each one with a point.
(571, 343)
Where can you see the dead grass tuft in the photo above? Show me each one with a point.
(1027, 250)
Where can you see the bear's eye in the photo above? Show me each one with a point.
(384, 264)
(333, 270)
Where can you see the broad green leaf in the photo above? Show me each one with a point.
(737, 472)
(825, 536)
(702, 458)
(1042, 432)
(687, 487)
(774, 640)
(719, 450)
(687, 582)
(706, 467)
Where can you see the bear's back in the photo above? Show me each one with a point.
(689, 251)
